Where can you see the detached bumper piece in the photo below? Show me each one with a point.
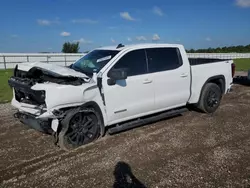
(24, 93)
(32, 122)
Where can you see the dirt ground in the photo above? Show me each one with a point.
(193, 150)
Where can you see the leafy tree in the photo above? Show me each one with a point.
(70, 47)
(192, 51)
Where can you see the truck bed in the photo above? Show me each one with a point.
(199, 61)
(203, 69)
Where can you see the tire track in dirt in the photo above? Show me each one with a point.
(191, 150)
(50, 159)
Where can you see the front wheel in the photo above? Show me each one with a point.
(79, 127)
(210, 98)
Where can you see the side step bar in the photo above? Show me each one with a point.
(145, 120)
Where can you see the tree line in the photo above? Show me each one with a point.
(74, 48)
(230, 49)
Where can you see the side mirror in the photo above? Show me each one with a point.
(116, 74)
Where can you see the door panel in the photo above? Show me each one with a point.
(170, 77)
(129, 98)
(134, 96)
(171, 89)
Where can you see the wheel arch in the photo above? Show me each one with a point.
(97, 108)
(218, 80)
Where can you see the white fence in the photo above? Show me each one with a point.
(10, 60)
(220, 55)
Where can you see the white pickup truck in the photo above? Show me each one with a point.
(115, 89)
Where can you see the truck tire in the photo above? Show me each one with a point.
(79, 127)
(210, 98)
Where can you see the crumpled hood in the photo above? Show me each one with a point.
(56, 69)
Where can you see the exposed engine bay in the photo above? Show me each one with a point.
(22, 81)
(40, 75)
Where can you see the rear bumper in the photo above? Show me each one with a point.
(30, 120)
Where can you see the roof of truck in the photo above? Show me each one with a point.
(144, 45)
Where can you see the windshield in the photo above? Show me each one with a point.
(94, 61)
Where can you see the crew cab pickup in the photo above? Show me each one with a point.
(116, 88)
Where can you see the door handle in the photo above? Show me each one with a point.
(147, 81)
(184, 75)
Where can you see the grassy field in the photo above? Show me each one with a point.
(6, 92)
(242, 64)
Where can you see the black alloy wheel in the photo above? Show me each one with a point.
(82, 129)
(210, 99)
(79, 128)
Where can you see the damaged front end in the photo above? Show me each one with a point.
(41, 75)
(38, 92)
(23, 92)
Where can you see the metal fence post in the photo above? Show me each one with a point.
(4, 62)
(65, 61)
(28, 59)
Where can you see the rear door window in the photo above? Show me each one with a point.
(163, 59)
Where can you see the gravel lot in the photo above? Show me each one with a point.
(193, 150)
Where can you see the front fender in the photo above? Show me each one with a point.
(67, 96)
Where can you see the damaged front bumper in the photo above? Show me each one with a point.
(29, 115)
(28, 100)
(28, 108)
(37, 124)
(37, 117)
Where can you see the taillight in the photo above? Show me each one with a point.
(233, 69)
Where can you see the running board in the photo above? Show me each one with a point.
(145, 120)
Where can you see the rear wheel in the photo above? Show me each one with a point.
(79, 127)
(210, 98)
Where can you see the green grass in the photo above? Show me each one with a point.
(242, 64)
(5, 90)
